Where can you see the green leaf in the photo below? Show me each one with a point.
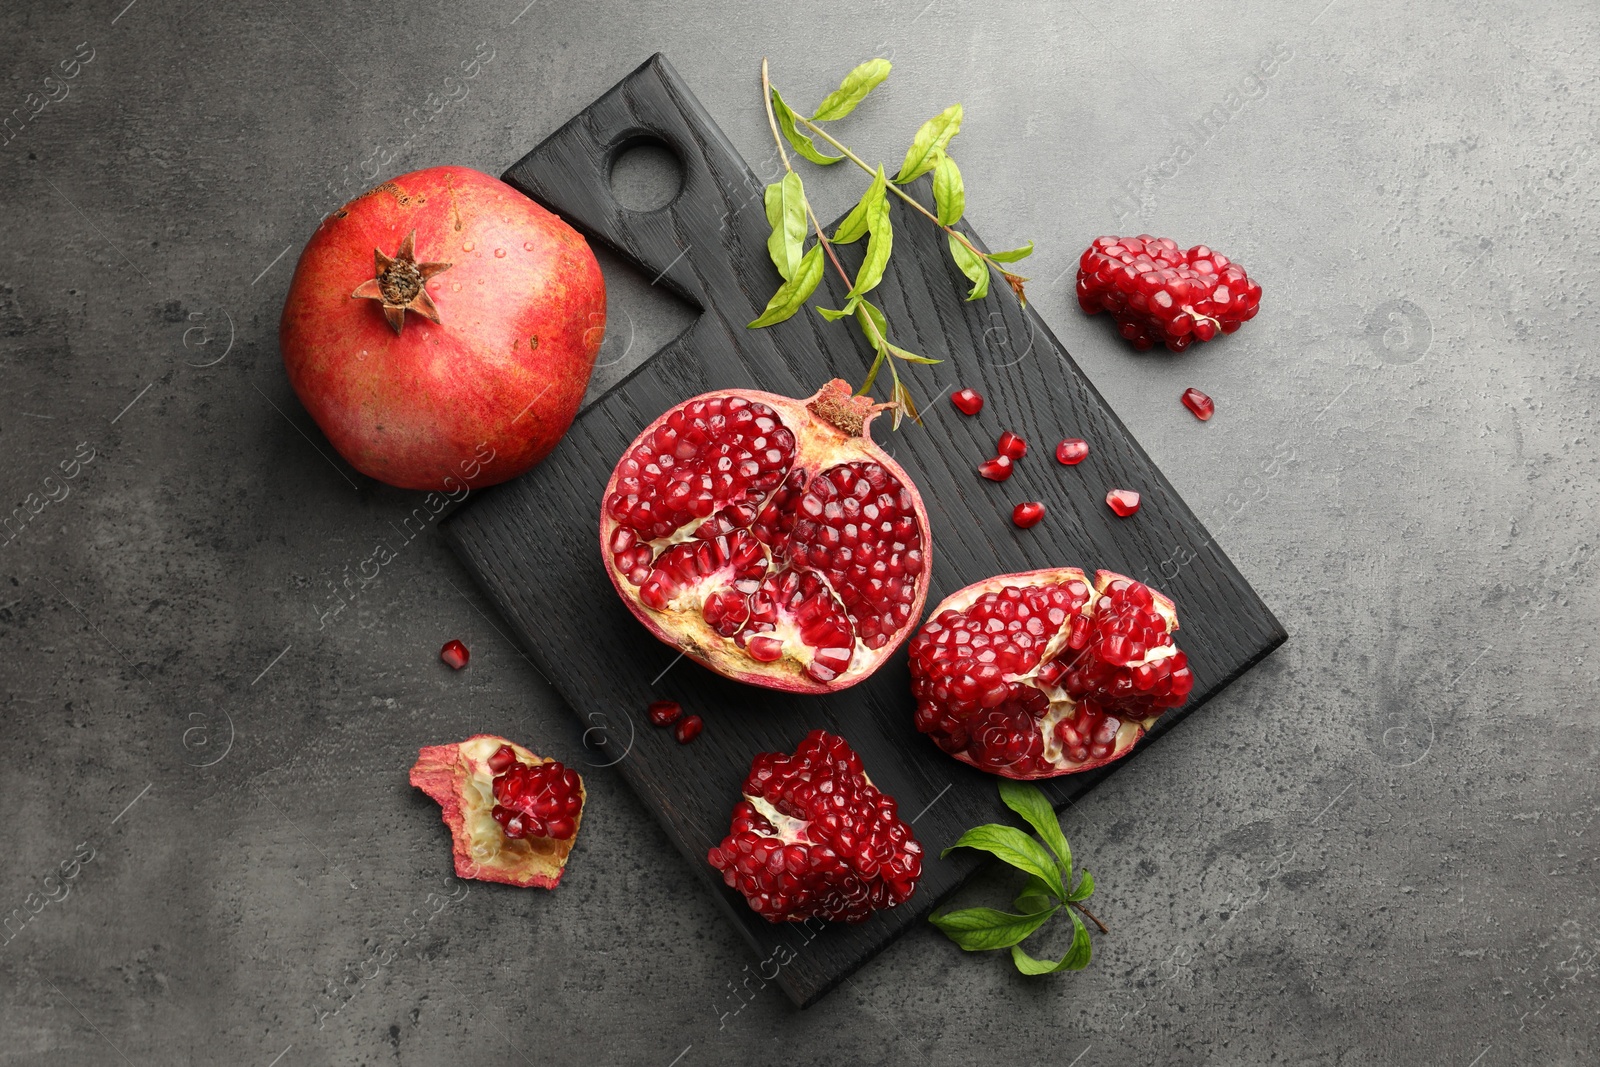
(870, 317)
(1085, 888)
(786, 214)
(929, 144)
(1013, 254)
(981, 929)
(793, 294)
(878, 247)
(872, 375)
(949, 194)
(1076, 958)
(1016, 848)
(834, 316)
(1028, 801)
(854, 89)
(976, 270)
(800, 142)
(911, 357)
(1035, 896)
(855, 225)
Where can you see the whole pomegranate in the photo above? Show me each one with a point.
(769, 538)
(1036, 675)
(441, 329)
(814, 838)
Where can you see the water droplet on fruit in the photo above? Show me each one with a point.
(1072, 451)
(1123, 501)
(455, 287)
(499, 253)
(527, 246)
(468, 246)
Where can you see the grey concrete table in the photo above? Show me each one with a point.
(1379, 847)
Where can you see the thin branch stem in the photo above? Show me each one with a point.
(1103, 928)
(903, 195)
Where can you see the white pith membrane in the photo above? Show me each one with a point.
(780, 652)
(1062, 706)
(488, 843)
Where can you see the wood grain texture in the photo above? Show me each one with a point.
(533, 543)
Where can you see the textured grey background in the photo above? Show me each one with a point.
(1376, 848)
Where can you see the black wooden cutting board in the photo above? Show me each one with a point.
(533, 543)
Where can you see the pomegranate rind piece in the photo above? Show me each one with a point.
(458, 777)
(1052, 761)
(831, 430)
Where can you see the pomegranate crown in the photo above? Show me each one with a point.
(838, 405)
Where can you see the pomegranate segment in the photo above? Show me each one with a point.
(1036, 675)
(513, 815)
(769, 538)
(967, 401)
(814, 838)
(1158, 293)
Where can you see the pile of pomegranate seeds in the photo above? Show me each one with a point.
(1197, 402)
(813, 838)
(1159, 293)
(1035, 675)
(1123, 501)
(967, 401)
(455, 654)
(538, 801)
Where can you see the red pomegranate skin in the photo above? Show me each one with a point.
(522, 314)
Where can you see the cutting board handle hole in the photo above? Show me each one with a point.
(646, 173)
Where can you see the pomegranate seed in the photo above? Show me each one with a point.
(1123, 501)
(455, 654)
(1072, 451)
(1012, 445)
(997, 469)
(967, 401)
(688, 729)
(503, 757)
(1027, 515)
(1199, 403)
(664, 712)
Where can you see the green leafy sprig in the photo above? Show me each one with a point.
(1050, 887)
(792, 219)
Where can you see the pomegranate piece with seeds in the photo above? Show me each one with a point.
(1123, 501)
(1158, 293)
(1011, 445)
(1039, 674)
(1198, 403)
(967, 401)
(768, 538)
(814, 838)
(1072, 451)
(513, 815)
(997, 469)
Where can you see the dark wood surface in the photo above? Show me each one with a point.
(533, 543)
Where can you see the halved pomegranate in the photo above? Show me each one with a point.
(814, 838)
(1036, 675)
(769, 538)
(513, 815)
